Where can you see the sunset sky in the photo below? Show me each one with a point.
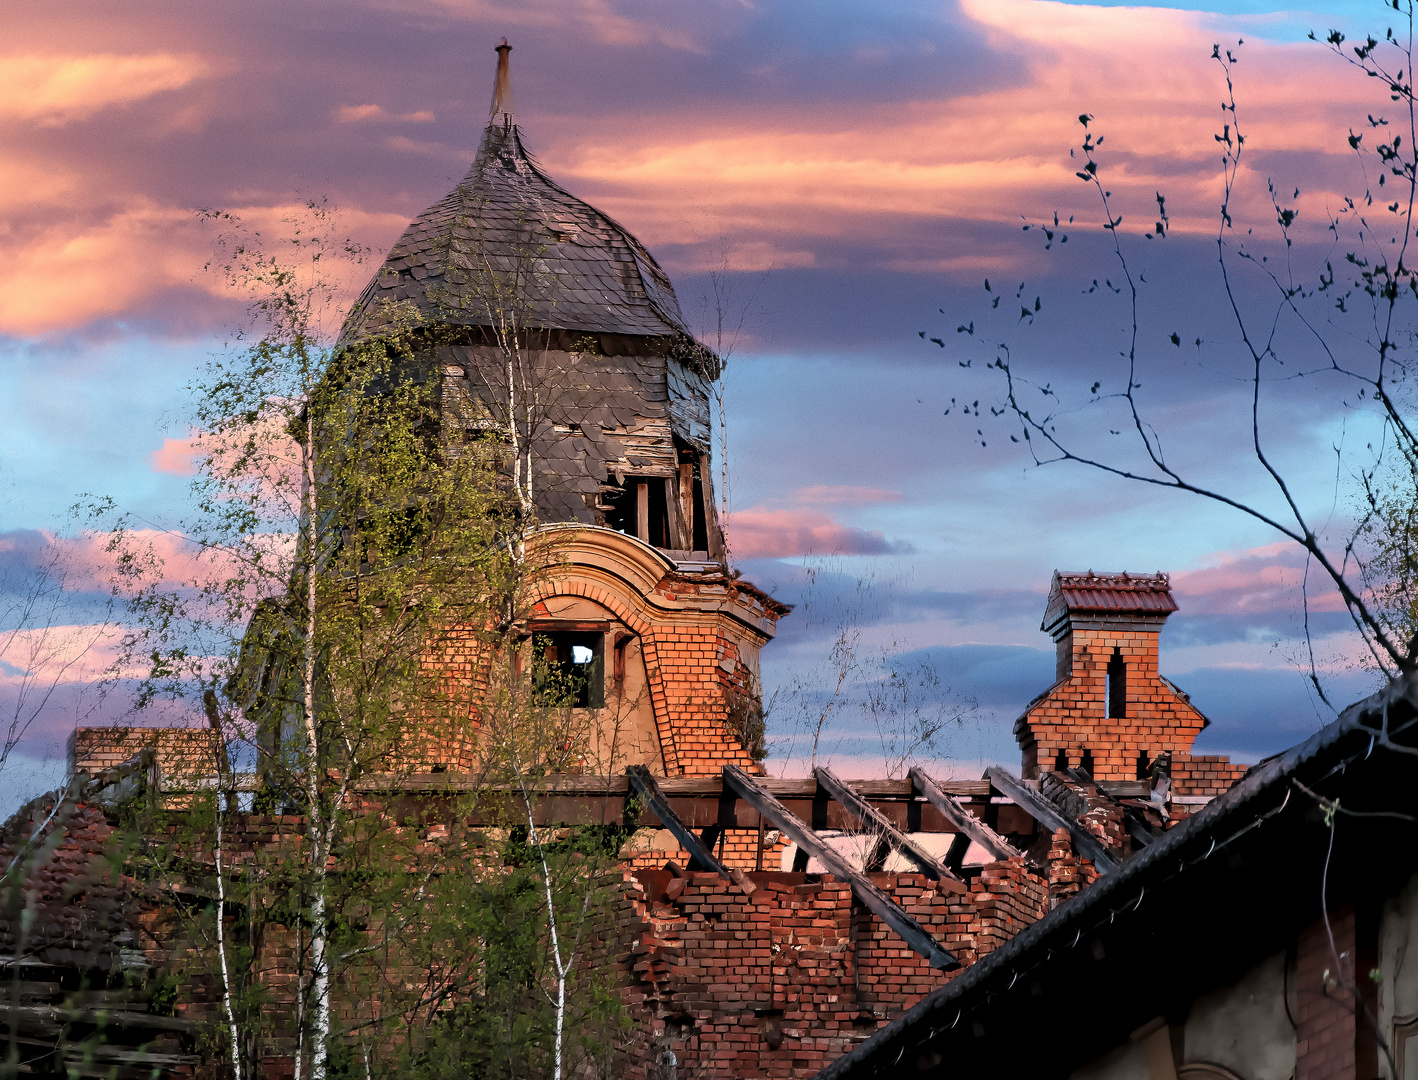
(860, 169)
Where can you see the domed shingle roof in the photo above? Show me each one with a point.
(510, 244)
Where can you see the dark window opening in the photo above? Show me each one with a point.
(658, 516)
(1144, 766)
(620, 507)
(1117, 686)
(1061, 761)
(1085, 763)
(639, 496)
(572, 672)
(701, 519)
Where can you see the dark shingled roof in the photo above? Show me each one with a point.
(1108, 594)
(508, 239)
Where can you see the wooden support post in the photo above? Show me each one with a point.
(711, 510)
(870, 815)
(642, 511)
(674, 516)
(876, 901)
(700, 857)
(1045, 813)
(966, 823)
(686, 503)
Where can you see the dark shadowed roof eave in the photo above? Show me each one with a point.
(1215, 822)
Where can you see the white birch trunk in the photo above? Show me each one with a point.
(316, 830)
(558, 961)
(227, 1004)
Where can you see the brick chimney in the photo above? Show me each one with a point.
(1109, 710)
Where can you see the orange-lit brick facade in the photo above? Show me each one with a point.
(1110, 709)
(682, 651)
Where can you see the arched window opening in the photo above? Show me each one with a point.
(1085, 763)
(1117, 686)
(1143, 765)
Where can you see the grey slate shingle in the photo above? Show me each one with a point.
(575, 267)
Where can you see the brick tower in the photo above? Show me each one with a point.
(1109, 710)
(643, 607)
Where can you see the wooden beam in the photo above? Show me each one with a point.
(955, 812)
(876, 901)
(642, 511)
(869, 815)
(894, 791)
(674, 513)
(700, 857)
(1046, 814)
(686, 502)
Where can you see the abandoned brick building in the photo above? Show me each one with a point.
(760, 927)
(752, 940)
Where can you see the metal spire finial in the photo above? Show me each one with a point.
(502, 88)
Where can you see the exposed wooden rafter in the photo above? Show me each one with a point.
(956, 812)
(869, 815)
(881, 905)
(700, 857)
(1046, 814)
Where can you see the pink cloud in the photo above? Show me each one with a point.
(99, 242)
(356, 114)
(177, 456)
(172, 560)
(58, 89)
(1260, 580)
(763, 533)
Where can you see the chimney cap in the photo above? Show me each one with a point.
(1107, 594)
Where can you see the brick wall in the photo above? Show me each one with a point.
(1209, 774)
(181, 752)
(1326, 1026)
(1071, 716)
(698, 635)
(650, 849)
(781, 982)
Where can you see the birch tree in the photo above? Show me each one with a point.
(351, 609)
(339, 541)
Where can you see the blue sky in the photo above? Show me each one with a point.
(860, 169)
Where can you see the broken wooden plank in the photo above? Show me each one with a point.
(869, 815)
(1124, 789)
(642, 511)
(955, 812)
(1046, 814)
(876, 901)
(700, 856)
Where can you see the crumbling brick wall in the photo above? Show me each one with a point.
(1206, 774)
(181, 752)
(780, 982)
(737, 849)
